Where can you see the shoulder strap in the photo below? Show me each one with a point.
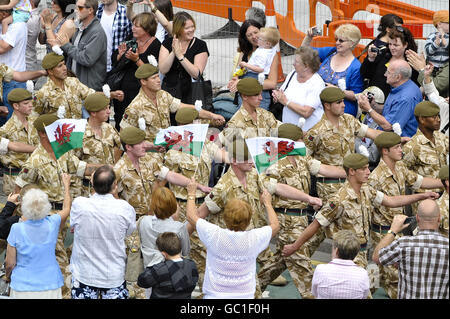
(289, 81)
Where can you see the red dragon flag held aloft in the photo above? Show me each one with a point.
(266, 151)
(65, 135)
(185, 138)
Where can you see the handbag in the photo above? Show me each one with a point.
(277, 108)
(115, 76)
(201, 90)
(135, 261)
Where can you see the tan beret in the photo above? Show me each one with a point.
(249, 86)
(443, 172)
(440, 16)
(355, 161)
(44, 120)
(19, 95)
(96, 102)
(426, 108)
(186, 115)
(131, 135)
(387, 139)
(290, 131)
(51, 60)
(145, 71)
(331, 94)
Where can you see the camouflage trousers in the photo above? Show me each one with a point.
(9, 183)
(388, 274)
(134, 241)
(298, 264)
(63, 259)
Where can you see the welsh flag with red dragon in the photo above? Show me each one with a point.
(65, 135)
(266, 151)
(186, 138)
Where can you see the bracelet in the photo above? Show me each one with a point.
(180, 60)
(48, 28)
(137, 60)
(154, 9)
(287, 103)
(191, 197)
(369, 111)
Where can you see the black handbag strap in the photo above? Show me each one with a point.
(289, 81)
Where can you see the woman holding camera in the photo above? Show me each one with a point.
(339, 66)
(135, 53)
(376, 62)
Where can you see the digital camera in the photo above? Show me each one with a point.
(132, 44)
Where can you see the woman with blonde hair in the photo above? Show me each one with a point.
(339, 66)
(231, 253)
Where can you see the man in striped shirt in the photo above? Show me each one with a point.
(423, 260)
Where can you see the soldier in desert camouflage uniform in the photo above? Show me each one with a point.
(391, 176)
(333, 137)
(62, 90)
(443, 201)
(250, 120)
(101, 142)
(45, 171)
(428, 149)
(154, 105)
(350, 208)
(138, 172)
(295, 171)
(19, 128)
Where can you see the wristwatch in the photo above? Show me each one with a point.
(370, 110)
(390, 231)
(154, 9)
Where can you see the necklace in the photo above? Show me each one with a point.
(143, 44)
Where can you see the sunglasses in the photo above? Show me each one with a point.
(81, 8)
(340, 40)
(399, 28)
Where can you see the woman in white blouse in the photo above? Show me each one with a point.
(231, 253)
(300, 92)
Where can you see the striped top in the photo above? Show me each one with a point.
(422, 264)
(437, 55)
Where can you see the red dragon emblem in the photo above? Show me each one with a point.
(279, 150)
(177, 142)
(63, 132)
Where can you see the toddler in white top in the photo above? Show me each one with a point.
(21, 12)
(261, 60)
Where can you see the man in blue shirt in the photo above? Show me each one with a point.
(404, 96)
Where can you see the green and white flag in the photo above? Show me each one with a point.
(186, 138)
(266, 151)
(65, 135)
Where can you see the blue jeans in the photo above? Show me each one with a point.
(8, 87)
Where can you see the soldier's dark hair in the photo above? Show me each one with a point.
(169, 242)
(103, 180)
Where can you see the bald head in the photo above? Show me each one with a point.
(428, 213)
(402, 68)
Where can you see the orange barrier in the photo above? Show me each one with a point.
(272, 22)
(342, 12)
(218, 8)
(346, 9)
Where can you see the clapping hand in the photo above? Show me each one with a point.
(177, 49)
(14, 198)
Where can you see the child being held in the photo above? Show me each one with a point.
(261, 60)
(436, 45)
(174, 278)
(21, 12)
